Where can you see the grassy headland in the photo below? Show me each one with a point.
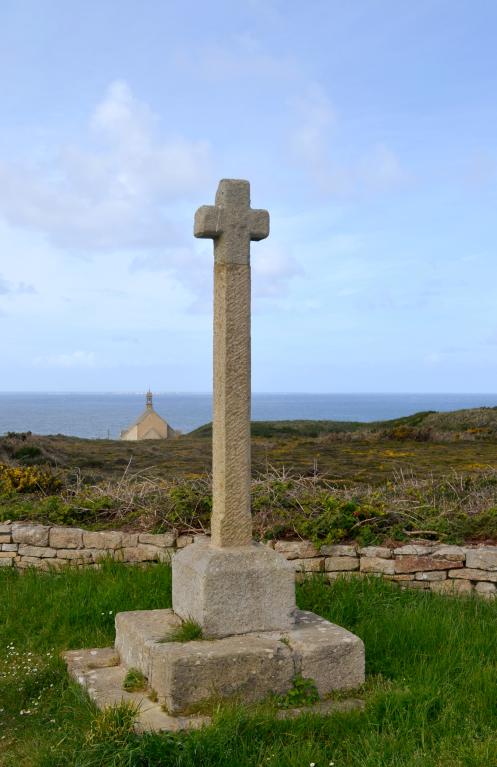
(433, 473)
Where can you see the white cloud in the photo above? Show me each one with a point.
(76, 359)
(314, 143)
(117, 194)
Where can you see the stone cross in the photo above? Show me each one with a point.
(232, 224)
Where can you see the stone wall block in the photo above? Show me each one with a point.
(5, 528)
(338, 564)
(65, 538)
(75, 555)
(432, 575)
(382, 552)
(377, 565)
(486, 589)
(141, 553)
(5, 537)
(9, 547)
(33, 535)
(7, 561)
(414, 550)
(454, 553)
(483, 558)
(339, 550)
(296, 549)
(36, 551)
(418, 564)
(183, 540)
(471, 574)
(159, 539)
(413, 584)
(107, 539)
(312, 565)
(129, 539)
(451, 587)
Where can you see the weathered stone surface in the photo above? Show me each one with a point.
(414, 550)
(337, 564)
(65, 538)
(77, 555)
(103, 540)
(129, 539)
(33, 535)
(5, 538)
(166, 540)
(383, 552)
(314, 565)
(183, 540)
(5, 528)
(232, 224)
(483, 558)
(486, 589)
(7, 561)
(415, 564)
(432, 575)
(471, 574)
(296, 549)
(249, 667)
(377, 565)
(138, 631)
(35, 551)
(141, 553)
(9, 546)
(339, 550)
(451, 587)
(233, 590)
(326, 653)
(413, 584)
(453, 553)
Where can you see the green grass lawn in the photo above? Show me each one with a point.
(431, 691)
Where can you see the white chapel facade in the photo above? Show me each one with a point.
(148, 426)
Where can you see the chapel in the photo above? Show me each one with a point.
(149, 425)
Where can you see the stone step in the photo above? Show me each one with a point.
(96, 671)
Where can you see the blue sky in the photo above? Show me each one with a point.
(369, 131)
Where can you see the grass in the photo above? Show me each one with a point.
(431, 691)
(134, 681)
(189, 631)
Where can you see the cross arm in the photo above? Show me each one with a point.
(259, 224)
(208, 222)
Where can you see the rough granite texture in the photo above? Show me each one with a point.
(248, 666)
(232, 224)
(233, 590)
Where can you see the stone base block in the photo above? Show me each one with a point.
(96, 670)
(233, 590)
(248, 667)
(138, 631)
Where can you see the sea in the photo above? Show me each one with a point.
(103, 415)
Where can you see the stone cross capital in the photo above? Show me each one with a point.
(231, 222)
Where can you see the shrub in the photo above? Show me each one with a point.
(28, 479)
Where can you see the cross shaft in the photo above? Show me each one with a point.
(232, 224)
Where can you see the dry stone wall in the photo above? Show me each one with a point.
(435, 567)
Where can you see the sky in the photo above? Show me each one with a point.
(367, 128)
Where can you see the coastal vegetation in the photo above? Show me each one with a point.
(431, 475)
(429, 695)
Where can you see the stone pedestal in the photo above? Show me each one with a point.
(234, 590)
(248, 667)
